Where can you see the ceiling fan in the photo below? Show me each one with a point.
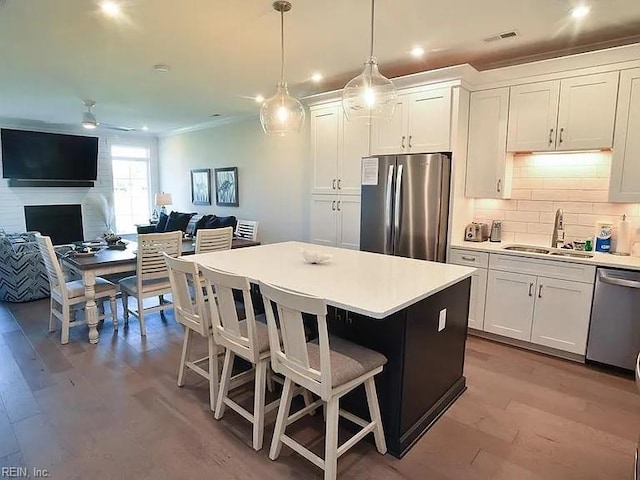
(90, 122)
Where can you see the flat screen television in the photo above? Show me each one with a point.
(30, 155)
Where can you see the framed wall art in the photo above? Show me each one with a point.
(226, 186)
(201, 186)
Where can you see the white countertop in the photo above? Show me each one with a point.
(367, 283)
(598, 259)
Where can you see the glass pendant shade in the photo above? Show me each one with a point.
(369, 96)
(282, 113)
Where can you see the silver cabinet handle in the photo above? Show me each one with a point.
(561, 132)
(499, 186)
(339, 205)
(469, 259)
(410, 137)
(339, 187)
(620, 282)
(551, 136)
(333, 184)
(333, 205)
(540, 291)
(531, 289)
(402, 144)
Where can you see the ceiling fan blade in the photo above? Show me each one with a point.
(119, 128)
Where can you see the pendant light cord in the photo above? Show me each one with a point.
(282, 45)
(372, 17)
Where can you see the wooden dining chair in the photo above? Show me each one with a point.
(247, 229)
(191, 311)
(213, 239)
(151, 278)
(247, 339)
(68, 294)
(328, 367)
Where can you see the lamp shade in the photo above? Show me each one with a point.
(163, 199)
(282, 113)
(370, 96)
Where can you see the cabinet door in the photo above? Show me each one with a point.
(354, 146)
(324, 148)
(429, 121)
(561, 317)
(487, 159)
(348, 208)
(323, 219)
(388, 138)
(625, 167)
(533, 111)
(477, 301)
(587, 111)
(510, 303)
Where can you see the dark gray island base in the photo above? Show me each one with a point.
(424, 374)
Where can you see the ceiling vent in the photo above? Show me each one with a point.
(503, 36)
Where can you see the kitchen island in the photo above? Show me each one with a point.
(412, 311)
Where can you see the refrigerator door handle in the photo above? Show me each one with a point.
(397, 209)
(388, 212)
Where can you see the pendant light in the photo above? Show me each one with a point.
(281, 114)
(88, 118)
(369, 96)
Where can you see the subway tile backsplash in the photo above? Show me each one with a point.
(575, 182)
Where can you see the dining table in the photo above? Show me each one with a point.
(110, 261)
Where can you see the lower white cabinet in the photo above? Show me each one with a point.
(335, 220)
(476, 302)
(561, 315)
(510, 303)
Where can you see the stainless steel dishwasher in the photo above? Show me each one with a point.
(614, 333)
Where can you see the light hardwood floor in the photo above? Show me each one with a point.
(113, 411)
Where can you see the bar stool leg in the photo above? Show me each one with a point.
(258, 404)
(281, 420)
(374, 411)
(223, 391)
(185, 353)
(331, 440)
(213, 373)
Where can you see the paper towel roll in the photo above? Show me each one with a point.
(623, 243)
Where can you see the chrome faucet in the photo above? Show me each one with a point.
(558, 230)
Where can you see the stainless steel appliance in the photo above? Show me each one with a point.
(614, 334)
(405, 205)
(496, 231)
(476, 232)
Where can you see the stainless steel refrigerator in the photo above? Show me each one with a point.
(405, 205)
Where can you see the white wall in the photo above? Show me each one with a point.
(273, 175)
(13, 199)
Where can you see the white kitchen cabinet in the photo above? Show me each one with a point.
(510, 303)
(421, 123)
(624, 185)
(335, 220)
(489, 166)
(478, 282)
(587, 112)
(570, 114)
(533, 114)
(561, 314)
(337, 147)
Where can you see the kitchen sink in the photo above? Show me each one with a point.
(572, 254)
(520, 248)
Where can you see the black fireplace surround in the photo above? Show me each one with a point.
(63, 223)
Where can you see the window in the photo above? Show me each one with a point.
(130, 165)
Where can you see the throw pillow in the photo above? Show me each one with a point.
(221, 222)
(178, 221)
(162, 222)
(192, 225)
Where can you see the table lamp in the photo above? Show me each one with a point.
(163, 199)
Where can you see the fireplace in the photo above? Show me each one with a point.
(63, 223)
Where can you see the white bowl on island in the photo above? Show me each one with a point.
(315, 257)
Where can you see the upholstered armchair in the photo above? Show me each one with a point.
(22, 273)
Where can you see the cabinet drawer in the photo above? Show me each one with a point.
(576, 272)
(469, 258)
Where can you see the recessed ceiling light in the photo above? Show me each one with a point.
(145, 128)
(161, 68)
(110, 8)
(316, 77)
(259, 99)
(417, 52)
(580, 11)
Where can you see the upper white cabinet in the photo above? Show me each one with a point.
(489, 166)
(421, 123)
(533, 114)
(625, 164)
(336, 149)
(571, 114)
